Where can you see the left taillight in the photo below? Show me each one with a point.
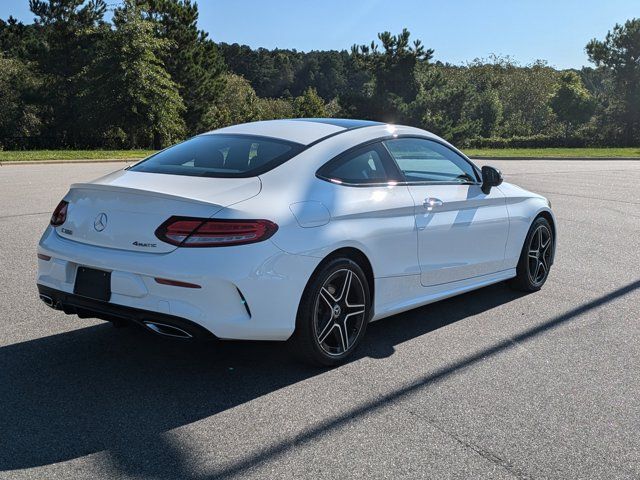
(207, 232)
(60, 214)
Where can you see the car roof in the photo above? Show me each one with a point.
(304, 131)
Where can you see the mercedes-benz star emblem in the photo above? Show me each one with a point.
(100, 223)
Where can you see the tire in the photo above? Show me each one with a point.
(536, 257)
(333, 314)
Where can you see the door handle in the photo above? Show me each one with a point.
(431, 202)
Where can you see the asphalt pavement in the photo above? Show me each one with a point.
(491, 384)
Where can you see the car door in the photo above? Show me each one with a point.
(462, 231)
(369, 205)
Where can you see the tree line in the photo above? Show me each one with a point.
(149, 77)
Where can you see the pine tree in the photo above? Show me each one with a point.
(133, 92)
(619, 56)
(68, 32)
(191, 58)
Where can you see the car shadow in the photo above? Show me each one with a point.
(100, 388)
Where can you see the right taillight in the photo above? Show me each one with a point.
(207, 232)
(60, 214)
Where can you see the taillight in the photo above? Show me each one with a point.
(59, 214)
(206, 232)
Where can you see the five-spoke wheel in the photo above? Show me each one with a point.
(333, 313)
(536, 257)
(339, 312)
(539, 254)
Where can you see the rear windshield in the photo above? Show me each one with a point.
(219, 155)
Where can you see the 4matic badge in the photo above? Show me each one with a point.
(142, 244)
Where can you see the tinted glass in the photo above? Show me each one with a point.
(221, 156)
(426, 161)
(361, 166)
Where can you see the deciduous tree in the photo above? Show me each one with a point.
(309, 104)
(572, 102)
(19, 113)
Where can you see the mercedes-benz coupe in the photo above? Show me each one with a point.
(302, 230)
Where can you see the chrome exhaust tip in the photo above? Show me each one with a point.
(167, 330)
(47, 300)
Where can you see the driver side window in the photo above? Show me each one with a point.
(423, 160)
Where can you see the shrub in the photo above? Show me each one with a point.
(533, 141)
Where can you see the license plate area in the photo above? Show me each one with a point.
(92, 283)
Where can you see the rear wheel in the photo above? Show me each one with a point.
(536, 257)
(333, 313)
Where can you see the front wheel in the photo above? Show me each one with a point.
(536, 257)
(333, 313)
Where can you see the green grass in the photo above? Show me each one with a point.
(555, 152)
(33, 155)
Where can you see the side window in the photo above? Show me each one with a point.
(424, 160)
(362, 166)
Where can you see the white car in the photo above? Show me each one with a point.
(302, 230)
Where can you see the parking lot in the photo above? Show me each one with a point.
(492, 384)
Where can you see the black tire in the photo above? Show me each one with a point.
(331, 323)
(533, 268)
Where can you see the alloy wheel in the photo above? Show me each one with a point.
(340, 311)
(539, 254)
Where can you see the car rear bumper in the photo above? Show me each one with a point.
(248, 292)
(71, 304)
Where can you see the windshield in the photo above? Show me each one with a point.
(219, 155)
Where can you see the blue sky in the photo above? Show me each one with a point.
(458, 30)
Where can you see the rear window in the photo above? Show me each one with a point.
(217, 155)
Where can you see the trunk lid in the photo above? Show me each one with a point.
(123, 210)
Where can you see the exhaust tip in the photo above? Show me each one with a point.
(167, 330)
(47, 300)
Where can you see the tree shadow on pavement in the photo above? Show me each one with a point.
(99, 388)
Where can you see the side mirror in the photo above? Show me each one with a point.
(491, 177)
